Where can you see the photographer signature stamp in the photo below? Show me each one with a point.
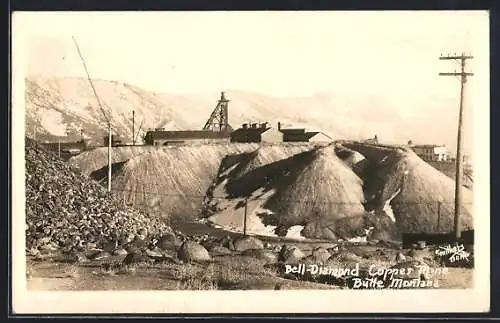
(454, 253)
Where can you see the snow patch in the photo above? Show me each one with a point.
(363, 238)
(294, 232)
(232, 220)
(387, 206)
(52, 121)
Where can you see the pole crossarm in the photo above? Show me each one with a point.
(456, 57)
(456, 74)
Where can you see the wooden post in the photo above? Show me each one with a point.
(109, 156)
(133, 127)
(439, 216)
(245, 218)
(59, 148)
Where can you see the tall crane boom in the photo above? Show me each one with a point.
(218, 120)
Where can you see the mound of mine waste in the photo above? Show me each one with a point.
(311, 194)
(419, 198)
(64, 207)
(169, 181)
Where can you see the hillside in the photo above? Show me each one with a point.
(60, 106)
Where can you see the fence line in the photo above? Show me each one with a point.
(229, 197)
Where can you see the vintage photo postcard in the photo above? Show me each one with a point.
(250, 162)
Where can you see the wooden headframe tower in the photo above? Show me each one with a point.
(218, 120)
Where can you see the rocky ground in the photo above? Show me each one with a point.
(205, 263)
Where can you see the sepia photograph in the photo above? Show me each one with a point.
(305, 161)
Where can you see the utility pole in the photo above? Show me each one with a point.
(108, 120)
(133, 127)
(459, 168)
(245, 218)
(59, 148)
(109, 156)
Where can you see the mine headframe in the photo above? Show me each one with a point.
(218, 120)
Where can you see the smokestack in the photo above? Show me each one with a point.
(279, 125)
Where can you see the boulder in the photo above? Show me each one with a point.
(139, 243)
(110, 246)
(225, 241)
(169, 242)
(220, 250)
(262, 254)
(425, 255)
(155, 253)
(320, 255)
(419, 245)
(290, 254)
(120, 252)
(400, 257)
(192, 251)
(347, 256)
(247, 243)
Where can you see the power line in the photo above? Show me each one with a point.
(102, 110)
(90, 80)
(191, 196)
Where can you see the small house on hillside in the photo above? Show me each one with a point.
(256, 133)
(431, 152)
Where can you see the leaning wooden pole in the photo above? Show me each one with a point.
(102, 110)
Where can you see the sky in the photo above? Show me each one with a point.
(275, 53)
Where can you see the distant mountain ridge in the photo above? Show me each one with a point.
(62, 107)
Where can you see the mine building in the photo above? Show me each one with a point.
(373, 141)
(115, 140)
(66, 150)
(301, 135)
(430, 152)
(163, 137)
(256, 133)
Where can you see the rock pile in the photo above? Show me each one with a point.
(65, 209)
